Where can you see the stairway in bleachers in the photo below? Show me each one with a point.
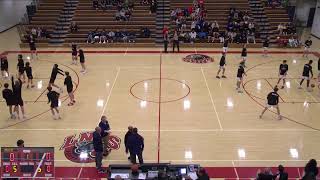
(63, 23)
(260, 18)
(162, 19)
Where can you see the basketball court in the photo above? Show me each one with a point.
(183, 112)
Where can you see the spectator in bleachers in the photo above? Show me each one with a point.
(145, 32)
(310, 170)
(280, 28)
(39, 32)
(34, 32)
(103, 36)
(117, 36)
(96, 35)
(90, 37)
(124, 36)
(153, 6)
(73, 27)
(193, 36)
(131, 37)
(111, 36)
(45, 33)
(251, 37)
(293, 42)
(95, 4)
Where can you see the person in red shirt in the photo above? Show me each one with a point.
(165, 30)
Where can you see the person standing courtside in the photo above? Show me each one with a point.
(175, 41)
(222, 66)
(69, 84)
(98, 148)
(272, 101)
(105, 131)
(4, 67)
(135, 145)
(307, 71)
(17, 96)
(165, 42)
(53, 97)
(283, 70)
(126, 137)
(7, 94)
(55, 71)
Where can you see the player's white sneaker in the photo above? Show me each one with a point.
(280, 117)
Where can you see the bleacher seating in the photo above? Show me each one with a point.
(217, 10)
(89, 19)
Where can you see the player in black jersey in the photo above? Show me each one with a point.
(74, 53)
(69, 84)
(265, 47)
(241, 72)
(17, 96)
(283, 70)
(54, 73)
(244, 55)
(307, 46)
(28, 70)
(53, 97)
(21, 68)
(222, 66)
(4, 67)
(32, 45)
(82, 61)
(225, 45)
(307, 71)
(7, 94)
(272, 102)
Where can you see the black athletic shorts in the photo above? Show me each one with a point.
(4, 68)
(30, 76)
(54, 104)
(19, 102)
(33, 47)
(21, 70)
(70, 89)
(10, 102)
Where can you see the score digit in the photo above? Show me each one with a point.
(39, 170)
(14, 169)
(48, 156)
(6, 169)
(11, 157)
(48, 169)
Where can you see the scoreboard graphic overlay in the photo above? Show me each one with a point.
(30, 162)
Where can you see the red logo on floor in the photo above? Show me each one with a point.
(80, 149)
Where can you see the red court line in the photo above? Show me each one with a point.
(159, 106)
(272, 89)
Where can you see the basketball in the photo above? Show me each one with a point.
(312, 85)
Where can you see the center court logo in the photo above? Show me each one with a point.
(75, 144)
(197, 58)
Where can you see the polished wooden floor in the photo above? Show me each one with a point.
(200, 119)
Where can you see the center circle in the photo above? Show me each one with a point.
(158, 90)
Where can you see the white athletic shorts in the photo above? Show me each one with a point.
(221, 67)
(239, 79)
(306, 48)
(244, 58)
(271, 106)
(225, 49)
(283, 76)
(306, 77)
